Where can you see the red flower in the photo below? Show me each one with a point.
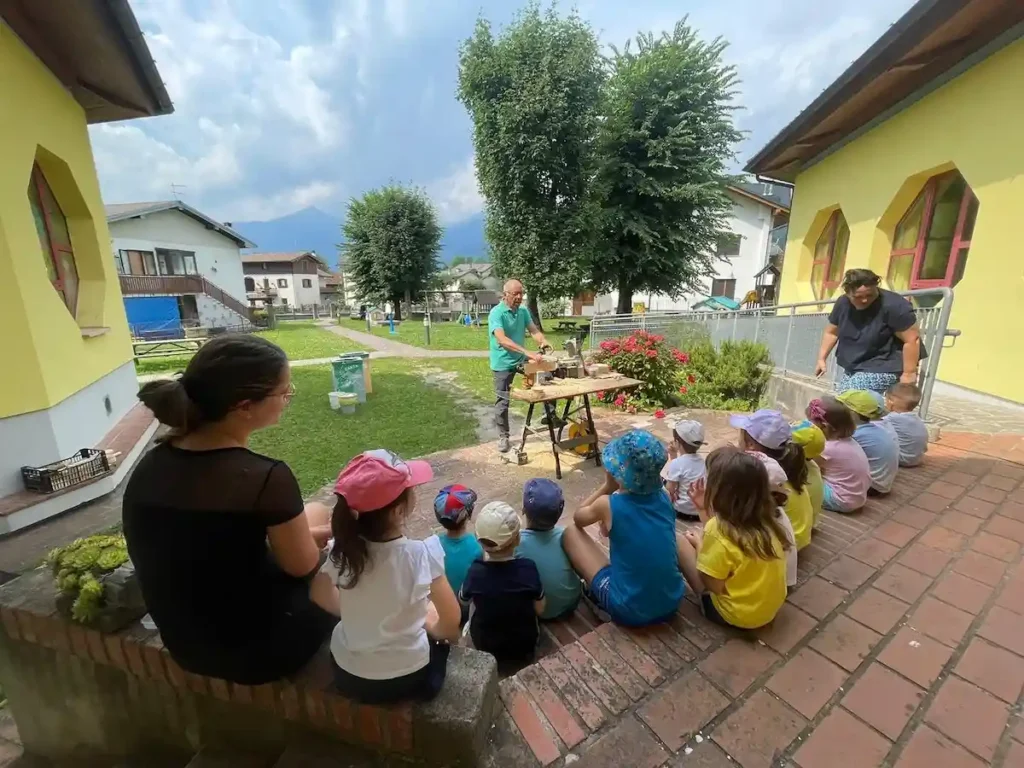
(610, 345)
(657, 339)
(683, 390)
(659, 414)
(651, 353)
(600, 394)
(630, 345)
(620, 400)
(691, 378)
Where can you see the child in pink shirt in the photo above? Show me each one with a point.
(844, 466)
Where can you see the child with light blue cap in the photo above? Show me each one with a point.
(639, 581)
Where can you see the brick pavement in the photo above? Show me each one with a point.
(902, 646)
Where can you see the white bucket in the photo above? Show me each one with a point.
(334, 398)
(347, 401)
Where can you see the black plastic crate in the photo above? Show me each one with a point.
(85, 465)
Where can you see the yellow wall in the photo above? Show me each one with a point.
(975, 124)
(44, 355)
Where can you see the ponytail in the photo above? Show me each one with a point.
(352, 531)
(793, 462)
(171, 405)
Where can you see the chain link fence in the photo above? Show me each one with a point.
(791, 332)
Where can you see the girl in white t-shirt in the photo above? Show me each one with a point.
(398, 612)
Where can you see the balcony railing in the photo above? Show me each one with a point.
(161, 285)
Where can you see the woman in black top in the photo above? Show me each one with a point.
(879, 343)
(226, 554)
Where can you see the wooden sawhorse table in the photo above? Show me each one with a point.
(548, 395)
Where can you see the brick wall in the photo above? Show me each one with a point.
(77, 692)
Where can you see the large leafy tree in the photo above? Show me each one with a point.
(532, 93)
(663, 145)
(391, 242)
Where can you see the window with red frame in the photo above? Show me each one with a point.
(54, 239)
(933, 238)
(830, 256)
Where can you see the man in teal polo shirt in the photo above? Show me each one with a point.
(506, 327)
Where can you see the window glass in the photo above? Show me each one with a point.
(838, 261)
(44, 237)
(908, 229)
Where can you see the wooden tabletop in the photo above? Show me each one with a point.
(561, 389)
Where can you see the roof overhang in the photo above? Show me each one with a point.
(932, 43)
(121, 213)
(775, 207)
(97, 50)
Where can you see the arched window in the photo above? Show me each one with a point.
(54, 239)
(250, 285)
(933, 238)
(830, 256)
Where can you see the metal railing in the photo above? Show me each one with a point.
(791, 332)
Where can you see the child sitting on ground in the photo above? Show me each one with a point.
(769, 433)
(684, 467)
(453, 507)
(741, 553)
(844, 467)
(878, 439)
(396, 605)
(542, 543)
(900, 401)
(505, 590)
(811, 440)
(638, 582)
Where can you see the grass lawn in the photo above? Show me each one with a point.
(403, 414)
(443, 335)
(301, 340)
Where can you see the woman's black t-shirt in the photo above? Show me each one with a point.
(867, 337)
(196, 526)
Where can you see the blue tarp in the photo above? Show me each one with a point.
(717, 302)
(154, 317)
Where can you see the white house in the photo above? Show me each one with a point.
(283, 279)
(177, 267)
(757, 210)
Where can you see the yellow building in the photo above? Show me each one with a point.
(68, 373)
(912, 164)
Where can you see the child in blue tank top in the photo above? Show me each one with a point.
(639, 582)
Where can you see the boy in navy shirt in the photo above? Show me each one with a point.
(505, 590)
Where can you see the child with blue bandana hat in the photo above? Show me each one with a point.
(639, 582)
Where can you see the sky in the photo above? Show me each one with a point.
(285, 104)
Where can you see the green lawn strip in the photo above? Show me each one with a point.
(449, 336)
(301, 340)
(403, 414)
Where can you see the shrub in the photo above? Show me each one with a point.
(77, 569)
(553, 308)
(646, 357)
(733, 377)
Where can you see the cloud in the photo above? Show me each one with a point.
(457, 195)
(281, 104)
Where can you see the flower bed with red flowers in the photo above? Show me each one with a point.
(644, 356)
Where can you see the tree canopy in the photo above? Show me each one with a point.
(532, 93)
(663, 145)
(391, 242)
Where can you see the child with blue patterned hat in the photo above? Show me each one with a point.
(453, 507)
(639, 582)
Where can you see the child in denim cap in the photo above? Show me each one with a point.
(453, 507)
(639, 581)
(541, 542)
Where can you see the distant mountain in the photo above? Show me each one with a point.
(313, 230)
(307, 230)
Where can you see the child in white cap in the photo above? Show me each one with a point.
(505, 590)
(685, 466)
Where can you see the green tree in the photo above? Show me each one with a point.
(664, 142)
(392, 239)
(532, 93)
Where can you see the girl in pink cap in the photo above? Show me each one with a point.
(398, 611)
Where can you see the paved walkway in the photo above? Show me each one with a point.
(383, 347)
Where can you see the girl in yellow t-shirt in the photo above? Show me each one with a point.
(741, 552)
